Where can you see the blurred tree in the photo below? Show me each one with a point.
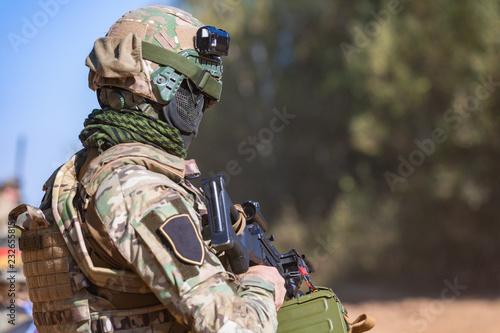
(373, 123)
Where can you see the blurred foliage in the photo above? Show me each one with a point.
(388, 171)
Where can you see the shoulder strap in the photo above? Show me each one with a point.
(95, 170)
(68, 221)
(361, 324)
(201, 77)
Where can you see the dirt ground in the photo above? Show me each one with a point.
(421, 315)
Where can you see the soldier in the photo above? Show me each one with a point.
(116, 244)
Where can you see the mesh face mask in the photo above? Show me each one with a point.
(185, 111)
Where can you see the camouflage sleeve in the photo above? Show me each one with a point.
(141, 210)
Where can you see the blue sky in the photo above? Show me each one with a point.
(44, 93)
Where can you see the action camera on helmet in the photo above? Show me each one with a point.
(212, 41)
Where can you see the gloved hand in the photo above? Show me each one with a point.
(271, 275)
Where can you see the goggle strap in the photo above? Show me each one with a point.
(201, 77)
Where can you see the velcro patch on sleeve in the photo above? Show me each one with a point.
(181, 233)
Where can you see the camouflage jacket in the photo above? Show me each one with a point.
(133, 202)
(130, 230)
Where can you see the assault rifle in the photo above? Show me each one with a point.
(251, 247)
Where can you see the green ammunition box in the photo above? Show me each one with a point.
(317, 312)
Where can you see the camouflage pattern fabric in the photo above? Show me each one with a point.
(168, 27)
(133, 186)
(64, 191)
(204, 298)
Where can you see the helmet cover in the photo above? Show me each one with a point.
(168, 27)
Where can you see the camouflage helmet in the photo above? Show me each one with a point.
(138, 36)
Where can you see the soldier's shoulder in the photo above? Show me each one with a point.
(131, 187)
(135, 180)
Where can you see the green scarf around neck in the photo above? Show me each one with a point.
(106, 128)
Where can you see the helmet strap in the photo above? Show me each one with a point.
(118, 99)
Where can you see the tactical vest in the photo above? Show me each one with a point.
(73, 289)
